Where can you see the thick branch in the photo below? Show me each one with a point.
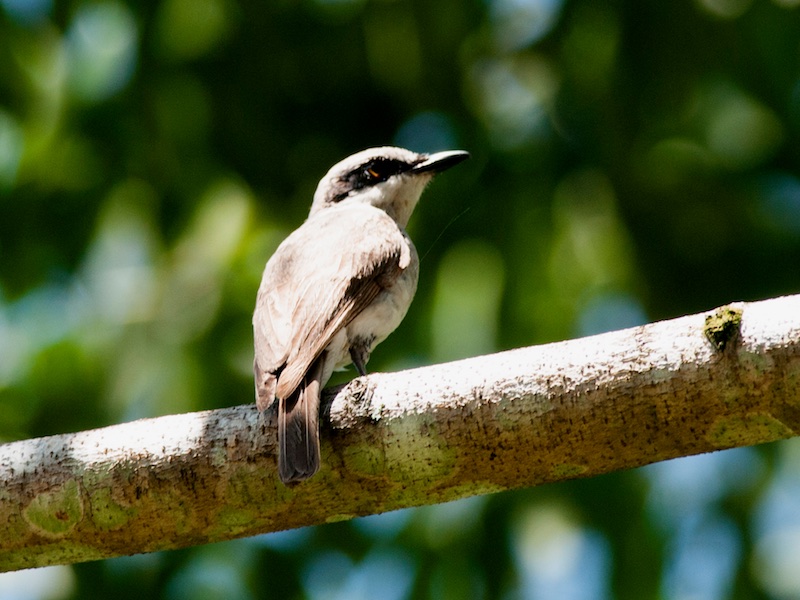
(514, 419)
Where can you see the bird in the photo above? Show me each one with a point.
(335, 288)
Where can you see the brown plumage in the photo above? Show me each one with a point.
(335, 288)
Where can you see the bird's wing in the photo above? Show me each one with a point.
(321, 277)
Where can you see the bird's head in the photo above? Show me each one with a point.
(388, 178)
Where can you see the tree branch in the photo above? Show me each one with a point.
(525, 417)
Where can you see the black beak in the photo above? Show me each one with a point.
(441, 161)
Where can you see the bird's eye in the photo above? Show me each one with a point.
(375, 174)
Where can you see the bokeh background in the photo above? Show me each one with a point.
(632, 161)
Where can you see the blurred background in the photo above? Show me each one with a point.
(632, 161)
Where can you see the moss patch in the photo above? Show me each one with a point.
(567, 471)
(107, 514)
(365, 459)
(749, 430)
(416, 451)
(722, 327)
(55, 513)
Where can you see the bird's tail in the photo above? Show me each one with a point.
(298, 428)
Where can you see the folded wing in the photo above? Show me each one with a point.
(320, 278)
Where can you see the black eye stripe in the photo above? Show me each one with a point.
(376, 171)
(368, 174)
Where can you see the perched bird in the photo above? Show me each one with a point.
(336, 288)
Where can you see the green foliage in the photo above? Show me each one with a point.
(631, 161)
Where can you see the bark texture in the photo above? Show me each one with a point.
(706, 382)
